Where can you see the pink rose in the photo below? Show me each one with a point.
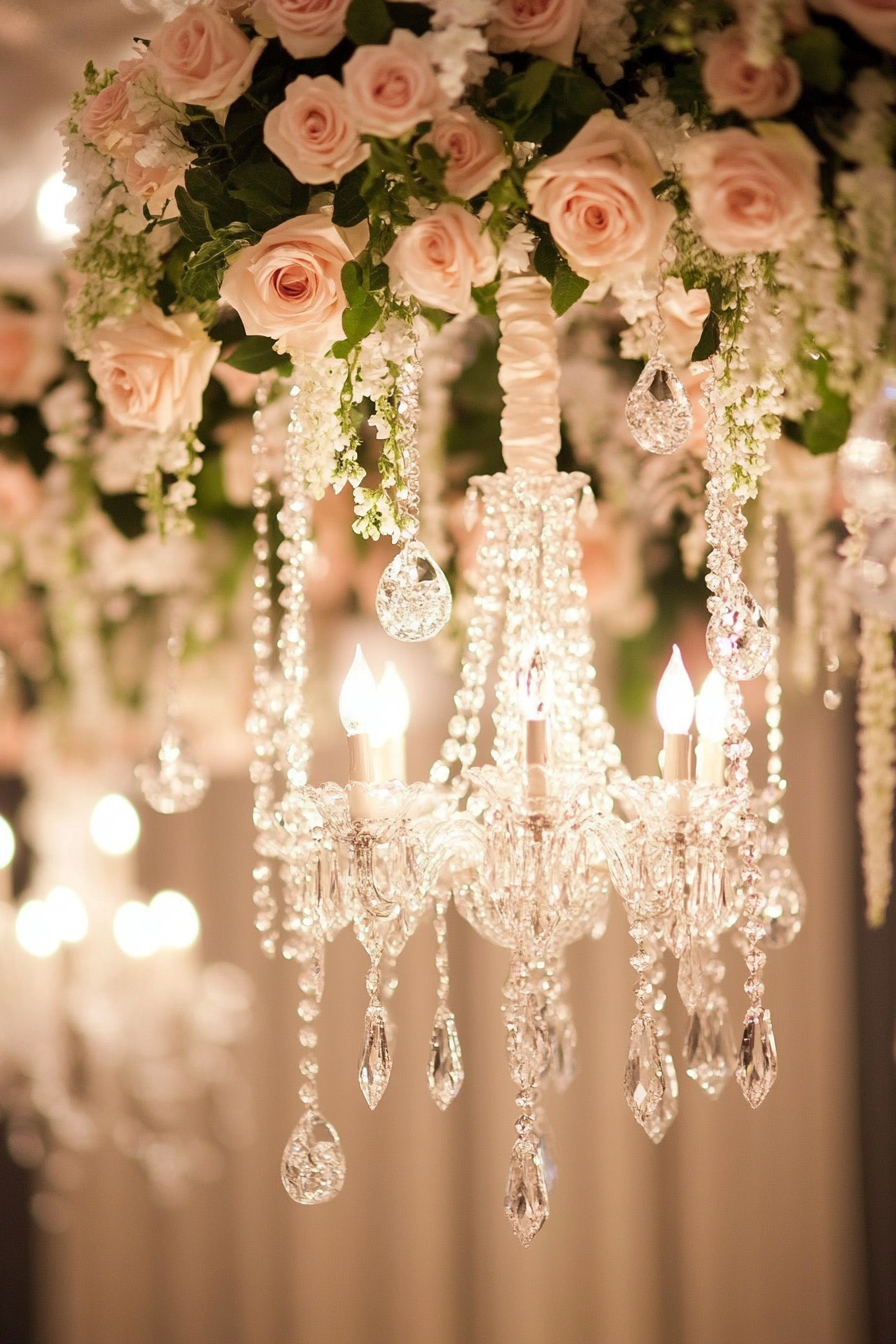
(151, 370)
(391, 89)
(874, 19)
(440, 258)
(30, 354)
(684, 312)
(752, 193)
(305, 27)
(474, 149)
(289, 285)
(154, 183)
(734, 84)
(596, 197)
(107, 121)
(204, 59)
(312, 131)
(544, 27)
(20, 494)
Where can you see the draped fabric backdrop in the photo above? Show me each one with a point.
(741, 1227)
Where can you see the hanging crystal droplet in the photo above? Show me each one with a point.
(644, 1082)
(526, 1198)
(709, 1046)
(588, 508)
(785, 900)
(546, 1151)
(660, 1118)
(171, 779)
(313, 1166)
(564, 1065)
(691, 979)
(658, 411)
(445, 1072)
(737, 638)
(757, 1061)
(376, 1061)
(413, 599)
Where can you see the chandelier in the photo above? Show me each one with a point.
(319, 197)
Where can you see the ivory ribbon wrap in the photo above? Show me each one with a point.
(529, 373)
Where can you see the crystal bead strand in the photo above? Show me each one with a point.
(445, 1071)
(293, 735)
(262, 718)
(657, 1123)
(774, 736)
(528, 1048)
(172, 779)
(645, 1082)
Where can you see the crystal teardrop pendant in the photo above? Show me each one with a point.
(660, 1118)
(644, 1081)
(313, 1165)
(413, 599)
(564, 1065)
(445, 1072)
(526, 1197)
(376, 1061)
(738, 640)
(691, 979)
(708, 1046)
(757, 1061)
(785, 900)
(171, 779)
(658, 411)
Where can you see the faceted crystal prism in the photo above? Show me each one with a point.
(171, 779)
(526, 1197)
(709, 1047)
(376, 1061)
(313, 1166)
(413, 599)
(738, 640)
(445, 1072)
(658, 412)
(785, 900)
(757, 1062)
(644, 1080)
(691, 979)
(661, 1117)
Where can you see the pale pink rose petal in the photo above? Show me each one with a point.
(305, 27)
(734, 84)
(204, 58)
(474, 149)
(547, 28)
(312, 131)
(391, 89)
(439, 259)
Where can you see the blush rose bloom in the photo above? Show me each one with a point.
(312, 131)
(440, 258)
(289, 285)
(474, 149)
(107, 121)
(547, 28)
(596, 197)
(684, 312)
(874, 19)
(153, 183)
(391, 89)
(305, 27)
(151, 370)
(752, 193)
(734, 84)
(30, 355)
(204, 59)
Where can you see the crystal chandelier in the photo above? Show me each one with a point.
(531, 845)
(111, 1026)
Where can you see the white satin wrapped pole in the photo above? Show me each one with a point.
(529, 374)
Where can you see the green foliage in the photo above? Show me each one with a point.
(202, 274)
(349, 205)
(256, 354)
(368, 21)
(566, 286)
(824, 429)
(818, 53)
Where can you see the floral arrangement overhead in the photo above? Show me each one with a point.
(313, 187)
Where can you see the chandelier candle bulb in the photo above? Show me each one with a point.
(392, 716)
(675, 711)
(535, 696)
(712, 712)
(357, 710)
(7, 854)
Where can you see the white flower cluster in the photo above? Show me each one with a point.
(606, 36)
(316, 437)
(457, 43)
(876, 715)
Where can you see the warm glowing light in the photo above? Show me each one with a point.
(36, 929)
(175, 919)
(358, 697)
(393, 707)
(534, 684)
(114, 825)
(68, 914)
(135, 929)
(675, 696)
(52, 199)
(7, 843)
(712, 708)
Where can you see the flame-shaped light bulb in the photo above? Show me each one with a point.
(358, 697)
(675, 697)
(712, 708)
(534, 682)
(393, 707)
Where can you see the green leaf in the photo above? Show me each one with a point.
(817, 52)
(367, 21)
(204, 187)
(412, 16)
(524, 92)
(435, 317)
(256, 354)
(484, 297)
(201, 278)
(545, 258)
(342, 349)
(566, 287)
(708, 343)
(349, 206)
(353, 285)
(195, 220)
(379, 276)
(360, 319)
(266, 184)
